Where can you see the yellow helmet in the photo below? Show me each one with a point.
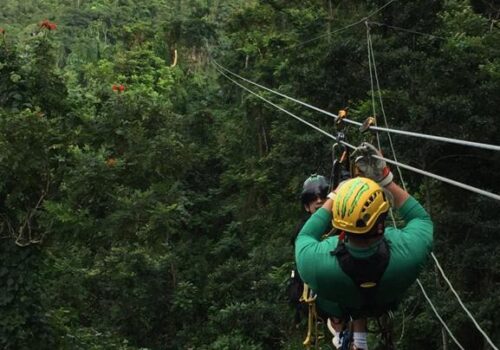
(358, 204)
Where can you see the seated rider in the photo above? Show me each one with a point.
(314, 192)
(313, 196)
(368, 272)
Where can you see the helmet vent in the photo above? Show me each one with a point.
(366, 217)
(370, 200)
(360, 223)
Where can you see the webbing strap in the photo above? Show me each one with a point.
(365, 273)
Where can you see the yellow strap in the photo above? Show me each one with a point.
(310, 320)
(313, 336)
(308, 295)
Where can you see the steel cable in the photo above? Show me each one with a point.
(423, 172)
(376, 128)
(438, 316)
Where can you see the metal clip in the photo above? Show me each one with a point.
(341, 116)
(370, 121)
(340, 166)
(340, 139)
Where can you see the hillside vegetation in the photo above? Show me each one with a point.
(147, 202)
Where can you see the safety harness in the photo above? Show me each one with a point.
(366, 273)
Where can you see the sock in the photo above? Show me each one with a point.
(359, 339)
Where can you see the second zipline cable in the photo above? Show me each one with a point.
(376, 128)
(423, 172)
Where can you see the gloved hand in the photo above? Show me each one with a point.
(370, 167)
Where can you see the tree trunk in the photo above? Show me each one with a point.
(330, 19)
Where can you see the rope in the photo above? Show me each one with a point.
(370, 50)
(438, 316)
(370, 68)
(371, 82)
(376, 128)
(462, 304)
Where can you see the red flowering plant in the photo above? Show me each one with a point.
(118, 88)
(2, 31)
(48, 25)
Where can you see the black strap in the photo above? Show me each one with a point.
(366, 273)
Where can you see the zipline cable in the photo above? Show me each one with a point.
(443, 179)
(376, 128)
(343, 28)
(438, 138)
(437, 315)
(277, 93)
(323, 35)
(407, 30)
(462, 304)
(280, 108)
(408, 167)
(372, 56)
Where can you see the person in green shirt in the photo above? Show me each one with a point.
(313, 195)
(368, 272)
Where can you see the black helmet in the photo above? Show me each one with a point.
(314, 186)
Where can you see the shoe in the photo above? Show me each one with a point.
(337, 343)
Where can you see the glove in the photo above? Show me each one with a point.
(370, 167)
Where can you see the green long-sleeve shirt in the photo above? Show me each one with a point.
(409, 249)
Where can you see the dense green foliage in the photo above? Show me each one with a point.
(148, 203)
